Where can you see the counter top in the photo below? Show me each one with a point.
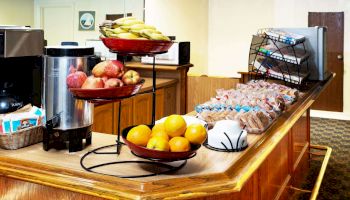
(208, 173)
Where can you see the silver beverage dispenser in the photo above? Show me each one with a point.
(68, 120)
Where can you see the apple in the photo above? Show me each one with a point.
(99, 69)
(131, 77)
(76, 79)
(113, 82)
(114, 69)
(111, 69)
(104, 78)
(93, 82)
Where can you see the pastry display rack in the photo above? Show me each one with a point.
(278, 55)
(163, 165)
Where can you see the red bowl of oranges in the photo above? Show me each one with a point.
(170, 139)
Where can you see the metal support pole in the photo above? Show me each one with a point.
(154, 91)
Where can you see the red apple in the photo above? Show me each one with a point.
(92, 83)
(111, 69)
(131, 77)
(104, 78)
(113, 82)
(76, 79)
(99, 69)
(114, 69)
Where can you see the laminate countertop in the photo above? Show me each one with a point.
(209, 172)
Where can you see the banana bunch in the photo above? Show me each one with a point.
(131, 28)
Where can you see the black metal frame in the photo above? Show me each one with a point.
(254, 51)
(154, 162)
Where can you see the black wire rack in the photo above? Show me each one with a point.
(162, 166)
(292, 69)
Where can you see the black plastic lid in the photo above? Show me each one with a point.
(76, 51)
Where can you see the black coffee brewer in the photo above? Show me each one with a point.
(8, 101)
(21, 49)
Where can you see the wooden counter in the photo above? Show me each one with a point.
(137, 109)
(160, 83)
(273, 161)
(178, 72)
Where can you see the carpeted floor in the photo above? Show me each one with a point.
(336, 182)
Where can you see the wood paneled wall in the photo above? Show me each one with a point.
(201, 88)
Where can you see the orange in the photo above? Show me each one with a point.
(158, 127)
(158, 143)
(175, 125)
(160, 133)
(179, 144)
(158, 130)
(196, 133)
(139, 135)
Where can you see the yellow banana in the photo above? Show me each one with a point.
(118, 30)
(111, 34)
(130, 22)
(126, 28)
(136, 32)
(121, 20)
(141, 26)
(157, 36)
(147, 32)
(127, 36)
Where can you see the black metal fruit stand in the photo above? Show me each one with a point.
(115, 149)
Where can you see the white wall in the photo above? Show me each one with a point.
(188, 21)
(17, 12)
(101, 8)
(231, 26)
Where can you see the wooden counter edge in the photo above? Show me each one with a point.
(110, 187)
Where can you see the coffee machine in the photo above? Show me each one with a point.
(68, 120)
(21, 49)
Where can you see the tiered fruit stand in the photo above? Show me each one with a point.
(124, 48)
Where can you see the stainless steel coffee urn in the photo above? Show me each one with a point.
(68, 120)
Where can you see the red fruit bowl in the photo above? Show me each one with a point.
(107, 93)
(134, 46)
(151, 154)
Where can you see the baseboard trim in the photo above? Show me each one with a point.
(329, 115)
